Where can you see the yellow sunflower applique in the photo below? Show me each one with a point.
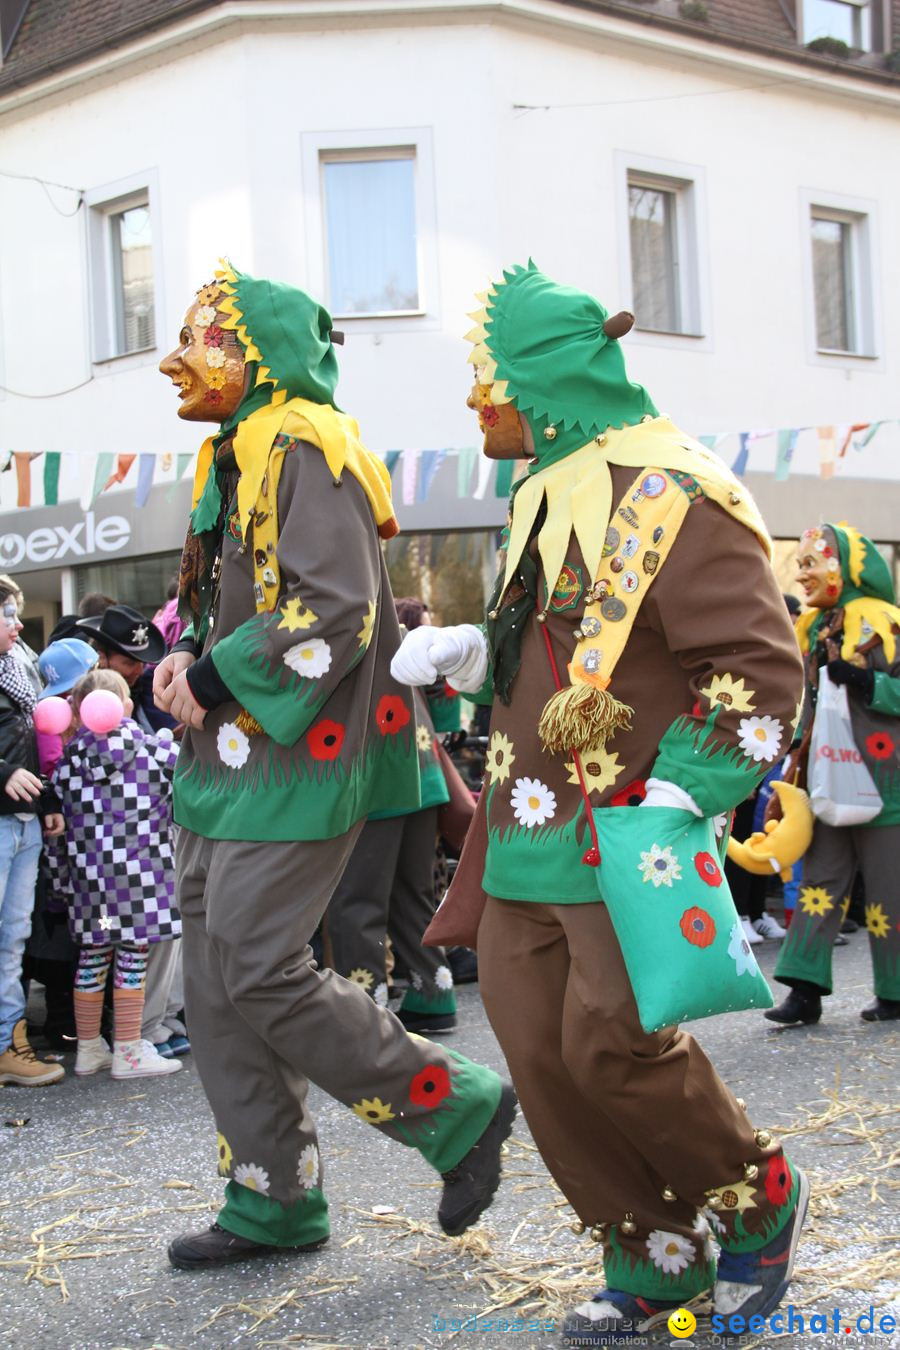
(364, 978)
(600, 769)
(226, 1157)
(374, 1112)
(364, 636)
(500, 758)
(296, 617)
(877, 921)
(815, 900)
(728, 691)
(737, 1197)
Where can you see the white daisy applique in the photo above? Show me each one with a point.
(760, 737)
(660, 866)
(251, 1175)
(233, 746)
(380, 994)
(310, 659)
(533, 802)
(443, 977)
(671, 1252)
(740, 953)
(308, 1167)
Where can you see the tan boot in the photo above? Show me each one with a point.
(20, 1065)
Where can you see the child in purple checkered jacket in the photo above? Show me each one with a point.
(115, 865)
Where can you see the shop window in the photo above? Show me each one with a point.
(124, 273)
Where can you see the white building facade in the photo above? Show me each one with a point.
(391, 158)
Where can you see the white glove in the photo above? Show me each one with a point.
(662, 793)
(459, 653)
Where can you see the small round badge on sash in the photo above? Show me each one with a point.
(611, 542)
(616, 565)
(613, 609)
(654, 485)
(629, 582)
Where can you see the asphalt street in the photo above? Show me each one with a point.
(105, 1173)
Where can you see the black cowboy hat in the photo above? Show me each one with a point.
(122, 629)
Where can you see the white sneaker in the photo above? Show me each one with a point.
(93, 1055)
(750, 934)
(767, 927)
(139, 1059)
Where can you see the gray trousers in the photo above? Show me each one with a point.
(265, 1022)
(388, 888)
(163, 993)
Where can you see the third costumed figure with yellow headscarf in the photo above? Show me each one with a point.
(644, 677)
(851, 632)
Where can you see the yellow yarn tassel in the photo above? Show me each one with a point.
(247, 723)
(582, 717)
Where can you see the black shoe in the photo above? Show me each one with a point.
(469, 1187)
(217, 1247)
(427, 1024)
(841, 941)
(849, 926)
(463, 963)
(882, 1010)
(799, 1006)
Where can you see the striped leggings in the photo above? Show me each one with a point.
(128, 989)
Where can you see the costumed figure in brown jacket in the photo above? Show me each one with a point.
(644, 677)
(295, 733)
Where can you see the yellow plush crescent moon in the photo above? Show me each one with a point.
(783, 842)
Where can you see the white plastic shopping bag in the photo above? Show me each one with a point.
(841, 789)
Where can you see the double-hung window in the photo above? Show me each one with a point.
(662, 247)
(124, 273)
(848, 20)
(841, 280)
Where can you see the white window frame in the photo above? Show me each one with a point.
(687, 183)
(318, 144)
(861, 215)
(877, 21)
(102, 203)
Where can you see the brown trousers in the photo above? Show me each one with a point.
(617, 1114)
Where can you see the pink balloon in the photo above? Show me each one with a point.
(101, 711)
(52, 716)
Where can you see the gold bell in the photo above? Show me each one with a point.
(550, 433)
(647, 417)
(602, 438)
(577, 1227)
(669, 1195)
(763, 1138)
(492, 613)
(734, 498)
(542, 617)
(628, 1225)
(714, 1201)
(597, 1232)
(741, 1103)
(751, 1171)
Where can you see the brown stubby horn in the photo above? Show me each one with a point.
(617, 325)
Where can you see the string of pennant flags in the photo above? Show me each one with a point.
(413, 472)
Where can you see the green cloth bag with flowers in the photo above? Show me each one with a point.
(661, 878)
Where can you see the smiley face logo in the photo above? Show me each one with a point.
(682, 1323)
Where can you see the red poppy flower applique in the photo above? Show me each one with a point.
(708, 869)
(698, 927)
(880, 745)
(630, 795)
(779, 1182)
(391, 715)
(430, 1087)
(325, 739)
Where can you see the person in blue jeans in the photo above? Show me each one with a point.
(25, 806)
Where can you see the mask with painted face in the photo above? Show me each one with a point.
(819, 568)
(209, 365)
(500, 424)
